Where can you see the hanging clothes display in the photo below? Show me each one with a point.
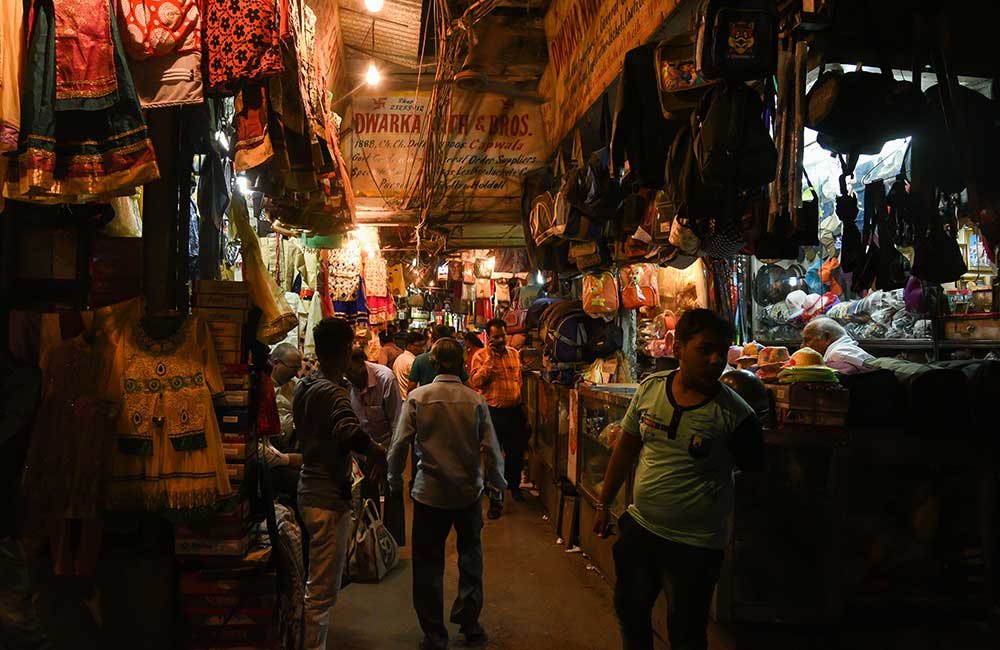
(11, 59)
(241, 42)
(396, 281)
(64, 477)
(345, 273)
(83, 137)
(163, 41)
(168, 452)
(277, 318)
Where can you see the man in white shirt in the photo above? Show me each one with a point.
(839, 350)
(286, 362)
(415, 343)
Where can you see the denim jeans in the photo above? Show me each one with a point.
(647, 564)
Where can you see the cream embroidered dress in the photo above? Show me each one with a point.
(169, 449)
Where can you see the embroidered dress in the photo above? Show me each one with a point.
(163, 42)
(169, 450)
(11, 55)
(241, 42)
(83, 137)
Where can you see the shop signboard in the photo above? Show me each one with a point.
(587, 42)
(492, 141)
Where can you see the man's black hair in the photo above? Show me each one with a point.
(496, 322)
(332, 336)
(443, 332)
(415, 336)
(358, 355)
(699, 321)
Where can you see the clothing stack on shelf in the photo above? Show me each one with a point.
(230, 607)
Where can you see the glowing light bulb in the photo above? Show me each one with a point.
(540, 278)
(491, 263)
(372, 77)
(374, 6)
(414, 262)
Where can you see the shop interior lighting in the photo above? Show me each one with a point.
(491, 263)
(374, 6)
(540, 278)
(414, 262)
(372, 77)
(243, 184)
(442, 269)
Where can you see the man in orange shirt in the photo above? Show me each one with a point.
(496, 373)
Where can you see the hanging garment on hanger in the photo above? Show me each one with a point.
(163, 43)
(242, 43)
(83, 136)
(168, 451)
(11, 63)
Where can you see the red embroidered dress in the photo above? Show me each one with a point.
(83, 137)
(242, 43)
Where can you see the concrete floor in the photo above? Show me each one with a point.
(537, 595)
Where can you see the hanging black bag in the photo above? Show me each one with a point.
(937, 257)
(737, 39)
(732, 145)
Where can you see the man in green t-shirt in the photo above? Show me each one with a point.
(687, 431)
(422, 372)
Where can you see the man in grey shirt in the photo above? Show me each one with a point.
(450, 428)
(330, 432)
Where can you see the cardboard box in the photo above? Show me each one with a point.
(788, 416)
(262, 601)
(221, 315)
(210, 546)
(241, 616)
(241, 452)
(223, 301)
(233, 419)
(225, 328)
(218, 530)
(235, 398)
(234, 438)
(805, 397)
(221, 286)
(242, 581)
(228, 356)
(236, 473)
(227, 344)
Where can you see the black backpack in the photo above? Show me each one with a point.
(737, 39)
(731, 142)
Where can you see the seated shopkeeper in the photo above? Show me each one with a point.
(839, 350)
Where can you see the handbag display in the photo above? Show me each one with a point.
(600, 295)
(638, 282)
(373, 552)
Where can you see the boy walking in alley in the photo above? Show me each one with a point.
(687, 431)
(450, 428)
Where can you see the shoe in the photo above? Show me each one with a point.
(427, 644)
(474, 635)
(517, 495)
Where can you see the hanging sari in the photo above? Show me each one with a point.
(83, 137)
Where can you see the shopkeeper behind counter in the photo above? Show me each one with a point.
(839, 350)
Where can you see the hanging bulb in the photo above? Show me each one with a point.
(374, 6)
(372, 77)
(540, 278)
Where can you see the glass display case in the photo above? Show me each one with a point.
(547, 423)
(561, 426)
(601, 412)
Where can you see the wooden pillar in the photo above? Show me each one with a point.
(159, 215)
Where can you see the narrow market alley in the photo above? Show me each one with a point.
(537, 595)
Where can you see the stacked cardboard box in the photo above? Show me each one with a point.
(230, 607)
(224, 535)
(224, 306)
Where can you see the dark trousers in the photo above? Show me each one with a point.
(647, 564)
(512, 433)
(431, 527)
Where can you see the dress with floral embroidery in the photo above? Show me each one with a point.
(169, 449)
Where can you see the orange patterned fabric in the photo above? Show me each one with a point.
(497, 376)
(158, 27)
